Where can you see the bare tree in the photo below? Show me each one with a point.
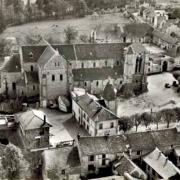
(70, 34)
(137, 120)
(169, 116)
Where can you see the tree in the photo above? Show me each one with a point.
(137, 120)
(126, 123)
(28, 10)
(169, 115)
(70, 34)
(146, 118)
(13, 163)
(156, 118)
(84, 38)
(60, 7)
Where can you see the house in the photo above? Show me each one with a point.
(160, 63)
(61, 163)
(11, 73)
(95, 118)
(164, 40)
(34, 128)
(100, 151)
(158, 166)
(124, 166)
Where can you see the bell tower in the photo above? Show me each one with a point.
(135, 65)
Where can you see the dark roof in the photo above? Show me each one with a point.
(100, 51)
(90, 74)
(32, 77)
(125, 164)
(67, 51)
(138, 48)
(136, 141)
(78, 51)
(31, 54)
(94, 110)
(109, 92)
(13, 64)
(165, 37)
(137, 29)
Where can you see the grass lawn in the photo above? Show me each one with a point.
(55, 29)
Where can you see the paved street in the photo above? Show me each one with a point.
(64, 128)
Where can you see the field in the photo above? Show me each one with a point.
(55, 29)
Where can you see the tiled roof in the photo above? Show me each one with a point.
(13, 64)
(109, 92)
(165, 37)
(31, 54)
(32, 77)
(100, 51)
(136, 141)
(48, 53)
(102, 145)
(165, 168)
(90, 74)
(94, 110)
(32, 119)
(137, 29)
(78, 51)
(125, 164)
(138, 48)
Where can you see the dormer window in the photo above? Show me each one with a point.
(31, 55)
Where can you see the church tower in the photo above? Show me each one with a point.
(135, 65)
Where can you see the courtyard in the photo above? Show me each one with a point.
(158, 97)
(64, 126)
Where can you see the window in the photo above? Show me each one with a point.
(85, 83)
(82, 65)
(97, 83)
(94, 64)
(117, 63)
(91, 158)
(61, 77)
(112, 125)
(44, 76)
(101, 126)
(138, 153)
(53, 77)
(14, 86)
(32, 68)
(84, 115)
(91, 167)
(55, 64)
(63, 171)
(34, 87)
(105, 63)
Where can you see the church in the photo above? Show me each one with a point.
(57, 69)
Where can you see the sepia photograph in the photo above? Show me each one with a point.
(89, 89)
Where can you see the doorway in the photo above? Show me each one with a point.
(165, 66)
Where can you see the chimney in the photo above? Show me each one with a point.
(166, 161)
(159, 155)
(78, 136)
(44, 119)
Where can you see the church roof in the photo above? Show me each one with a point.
(77, 51)
(90, 74)
(46, 55)
(13, 64)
